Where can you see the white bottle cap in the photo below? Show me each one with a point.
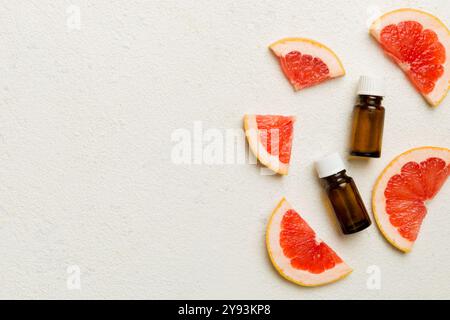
(371, 86)
(329, 165)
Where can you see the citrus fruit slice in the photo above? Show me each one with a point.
(420, 44)
(402, 190)
(270, 139)
(297, 253)
(306, 62)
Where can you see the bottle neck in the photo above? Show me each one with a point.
(368, 100)
(336, 178)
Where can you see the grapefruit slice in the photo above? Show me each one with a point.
(420, 44)
(306, 62)
(402, 190)
(297, 253)
(270, 139)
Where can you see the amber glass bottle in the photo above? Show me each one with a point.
(343, 194)
(368, 119)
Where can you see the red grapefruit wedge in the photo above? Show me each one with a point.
(402, 190)
(420, 44)
(270, 139)
(297, 253)
(306, 62)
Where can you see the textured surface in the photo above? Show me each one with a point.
(86, 176)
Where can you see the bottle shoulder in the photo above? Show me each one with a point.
(370, 107)
(337, 180)
(370, 102)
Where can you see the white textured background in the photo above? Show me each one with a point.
(86, 179)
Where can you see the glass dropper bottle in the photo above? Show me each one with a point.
(343, 194)
(368, 118)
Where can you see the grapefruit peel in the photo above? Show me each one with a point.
(283, 264)
(431, 23)
(259, 149)
(390, 233)
(315, 56)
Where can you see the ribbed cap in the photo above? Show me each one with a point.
(329, 165)
(371, 86)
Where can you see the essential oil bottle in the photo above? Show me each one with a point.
(343, 194)
(368, 119)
